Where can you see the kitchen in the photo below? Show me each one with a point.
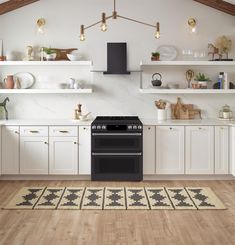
(44, 144)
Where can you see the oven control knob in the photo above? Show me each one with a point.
(98, 127)
(130, 127)
(139, 127)
(103, 127)
(134, 127)
(93, 127)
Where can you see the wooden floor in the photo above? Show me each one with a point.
(118, 227)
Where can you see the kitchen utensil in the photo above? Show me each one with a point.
(157, 79)
(189, 76)
(26, 79)
(160, 104)
(9, 82)
(167, 52)
(225, 113)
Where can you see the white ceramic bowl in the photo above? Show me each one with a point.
(74, 57)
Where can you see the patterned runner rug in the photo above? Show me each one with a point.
(115, 198)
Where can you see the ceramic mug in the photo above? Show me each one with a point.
(9, 82)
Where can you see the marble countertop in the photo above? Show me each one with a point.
(145, 121)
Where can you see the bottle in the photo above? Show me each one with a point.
(220, 80)
(226, 82)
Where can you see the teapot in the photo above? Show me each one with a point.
(157, 79)
(225, 113)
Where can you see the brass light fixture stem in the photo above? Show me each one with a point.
(114, 5)
(82, 30)
(137, 21)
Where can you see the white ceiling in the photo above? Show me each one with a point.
(230, 1)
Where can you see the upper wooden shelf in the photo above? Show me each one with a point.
(46, 63)
(188, 63)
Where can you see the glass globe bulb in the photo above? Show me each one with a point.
(82, 37)
(104, 27)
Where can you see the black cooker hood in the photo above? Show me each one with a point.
(117, 59)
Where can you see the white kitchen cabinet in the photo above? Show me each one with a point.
(221, 150)
(84, 150)
(34, 155)
(232, 151)
(63, 155)
(170, 149)
(10, 150)
(149, 163)
(199, 150)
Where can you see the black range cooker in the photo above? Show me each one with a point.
(117, 149)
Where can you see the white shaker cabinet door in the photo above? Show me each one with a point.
(232, 149)
(10, 150)
(170, 149)
(63, 155)
(84, 140)
(221, 150)
(199, 149)
(34, 155)
(149, 150)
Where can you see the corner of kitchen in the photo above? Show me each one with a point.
(118, 106)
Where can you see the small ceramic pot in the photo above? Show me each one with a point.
(161, 114)
(50, 57)
(9, 81)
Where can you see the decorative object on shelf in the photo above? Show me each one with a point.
(63, 85)
(181, 111)
(85, 117)
(29, 54)
(50, 53)
(17, 83)
(155, 56)
(9, 82)
(2, 57)
(3, 104)
(192, 23)
(161, 110)
(167, 52)
(225, 113)
(26, 79)
(114, 16)
(10, 56)
(157, 79)
(41, 25)
(189, 77)
(78, 112)
(62, 53)
(217, 85)
(202, 80)
(74, 56)
(173, 86)
(71, 82)
(222, 46)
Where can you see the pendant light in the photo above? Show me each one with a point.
(115, 16)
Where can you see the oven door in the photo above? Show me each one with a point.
(116, 142)
(117, 166)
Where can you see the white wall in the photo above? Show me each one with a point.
(113, 94)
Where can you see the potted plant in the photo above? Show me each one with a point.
(50, 53)
(155, 56)
(202, 80)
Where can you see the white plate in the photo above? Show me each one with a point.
(167, 52)
(26, 79)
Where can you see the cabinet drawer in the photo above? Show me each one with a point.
(63, 131)
(34, 131)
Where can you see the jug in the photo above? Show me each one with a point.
(9, 82)
(225, 113)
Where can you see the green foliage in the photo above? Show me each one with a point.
(202, 77)
(155, 54)
(49, 50)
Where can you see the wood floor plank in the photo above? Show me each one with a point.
(134, 227)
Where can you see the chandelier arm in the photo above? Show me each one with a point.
(97, 23)
(137, 21)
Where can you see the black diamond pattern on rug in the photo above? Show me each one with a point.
(71, 197)
(158, 198)
(201, 197)
(181, 198)
(50, 197)
(115, 198)
(29, 197)
(93, 198)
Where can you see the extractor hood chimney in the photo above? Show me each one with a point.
(117, 59)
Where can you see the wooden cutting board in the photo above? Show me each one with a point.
(61, 54)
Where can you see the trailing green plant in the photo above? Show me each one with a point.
(49, 50)
(155, 54)
(202, 77)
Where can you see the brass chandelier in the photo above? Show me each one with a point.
(114, 16)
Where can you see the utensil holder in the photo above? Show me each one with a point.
(161, 114)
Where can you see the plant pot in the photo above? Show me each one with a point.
(50, 57)
(155, 58)
(161, 114)
(203, 84)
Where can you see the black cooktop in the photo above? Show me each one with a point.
(116, 118)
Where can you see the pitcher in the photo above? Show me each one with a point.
(9, 82)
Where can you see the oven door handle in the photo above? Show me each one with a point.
(117, 134)
(117, 154)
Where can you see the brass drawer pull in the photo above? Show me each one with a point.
(34, 131)
(64, 131)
